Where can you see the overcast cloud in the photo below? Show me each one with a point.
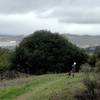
(64, 16)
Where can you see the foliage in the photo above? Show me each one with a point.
(43, 52)
(98, 65)
(92, 60)
(4, 60)
(92, 88)
(98, 56)
(97, 50)
(85, 68)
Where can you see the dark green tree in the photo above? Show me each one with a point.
(43, 52)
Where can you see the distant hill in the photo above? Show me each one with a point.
(4, 38)
(84, 41)
(10, 41)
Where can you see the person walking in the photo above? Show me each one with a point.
(73, 68)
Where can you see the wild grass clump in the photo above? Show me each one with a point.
(92, 85)
(86, 68)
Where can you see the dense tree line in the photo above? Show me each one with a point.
(44, 51)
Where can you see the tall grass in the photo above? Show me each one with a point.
(37, 87)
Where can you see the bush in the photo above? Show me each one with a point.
(98, 66)
(86, 68)
(92, 60)
(92, 92)
(4, 60)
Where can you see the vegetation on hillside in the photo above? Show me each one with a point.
(4, 60)
(43, 87)
(45, 52)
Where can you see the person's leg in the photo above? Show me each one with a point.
(73, 72)
(69, 73)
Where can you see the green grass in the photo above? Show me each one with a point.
(41, 87)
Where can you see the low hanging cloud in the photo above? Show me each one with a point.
(65, 16)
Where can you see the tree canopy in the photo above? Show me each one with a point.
(44, 51)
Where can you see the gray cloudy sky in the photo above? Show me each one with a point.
(64, 16)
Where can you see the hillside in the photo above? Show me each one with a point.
(41, 87)
(10, 41)
(80, 40)
(84, 40)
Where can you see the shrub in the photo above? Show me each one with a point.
(98, 66)
(85, 68)
(4, 60)
(92, 60)
(92, 91)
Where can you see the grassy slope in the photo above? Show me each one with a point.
(37, 87)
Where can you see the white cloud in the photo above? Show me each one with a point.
(70, 16)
